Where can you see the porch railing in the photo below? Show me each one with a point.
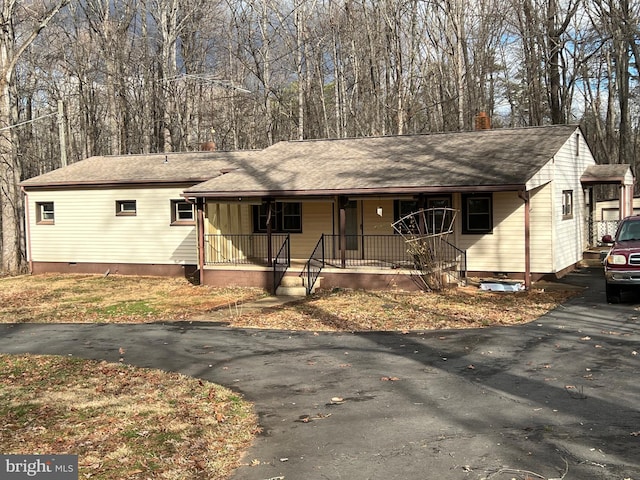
(596, 229)
(382, 251)
(386, 251)
(242, 249)
(281, 263)
(314, 265)
(367, 250)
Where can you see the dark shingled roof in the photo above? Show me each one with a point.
(500, 158)
(611, 173)
(504, 158)
(170, 168)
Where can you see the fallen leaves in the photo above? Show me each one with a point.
(356, 310)
(51, 298)
(121, 420)
(115, 299)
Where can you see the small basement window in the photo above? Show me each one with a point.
(126, 208)
(45, 213)
(182, 213)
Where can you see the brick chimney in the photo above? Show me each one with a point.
(208, 146)
(483, 122)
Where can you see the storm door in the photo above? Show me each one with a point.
(351, 225)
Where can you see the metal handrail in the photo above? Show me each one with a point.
(314, 265)
(281, 263)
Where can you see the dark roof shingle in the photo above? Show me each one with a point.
(487, 158)
(463, 159)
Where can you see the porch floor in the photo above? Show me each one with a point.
(331, 265)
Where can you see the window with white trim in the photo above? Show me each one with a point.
(567, 204)
(182, 213)
(45, 213)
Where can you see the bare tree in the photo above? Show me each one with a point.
(30, 18)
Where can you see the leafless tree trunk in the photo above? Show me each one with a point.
(32, 21)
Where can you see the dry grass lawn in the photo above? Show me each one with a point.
(122, 299)
(122, 422)
(130, 423)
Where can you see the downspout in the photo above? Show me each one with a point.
(524, 195)
(200, 232)
(27, 230)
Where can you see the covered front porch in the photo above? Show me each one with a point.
(321, 243)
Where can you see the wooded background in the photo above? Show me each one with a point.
(138, 76)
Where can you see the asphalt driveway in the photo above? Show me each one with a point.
(558, 398)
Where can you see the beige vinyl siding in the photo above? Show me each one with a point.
(230, 219)
(317, 218)
(375, 224)
(385, 244)
(86, 228)
(236, 218)
(502, 250)
(541, 233)
(570, 236)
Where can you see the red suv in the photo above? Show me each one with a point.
(622, 263)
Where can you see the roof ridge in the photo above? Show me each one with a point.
(426, 134)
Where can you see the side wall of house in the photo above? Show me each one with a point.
(570, 231)
(501, 251)
(86, 228)
(541, 210)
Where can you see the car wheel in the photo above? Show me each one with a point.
(613, 293)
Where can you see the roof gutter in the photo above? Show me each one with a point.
(113, 184)
(351, 191)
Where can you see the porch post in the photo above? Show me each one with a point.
(421, 220)
(524, 195)
(269, 232)
(342, 204)
(591, 217)
(200, 229)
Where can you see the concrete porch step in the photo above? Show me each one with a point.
(294, 286)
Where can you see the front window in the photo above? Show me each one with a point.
(285, 217)
(401, 210)
(477, 213)
(436, 219)
(45, 213)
